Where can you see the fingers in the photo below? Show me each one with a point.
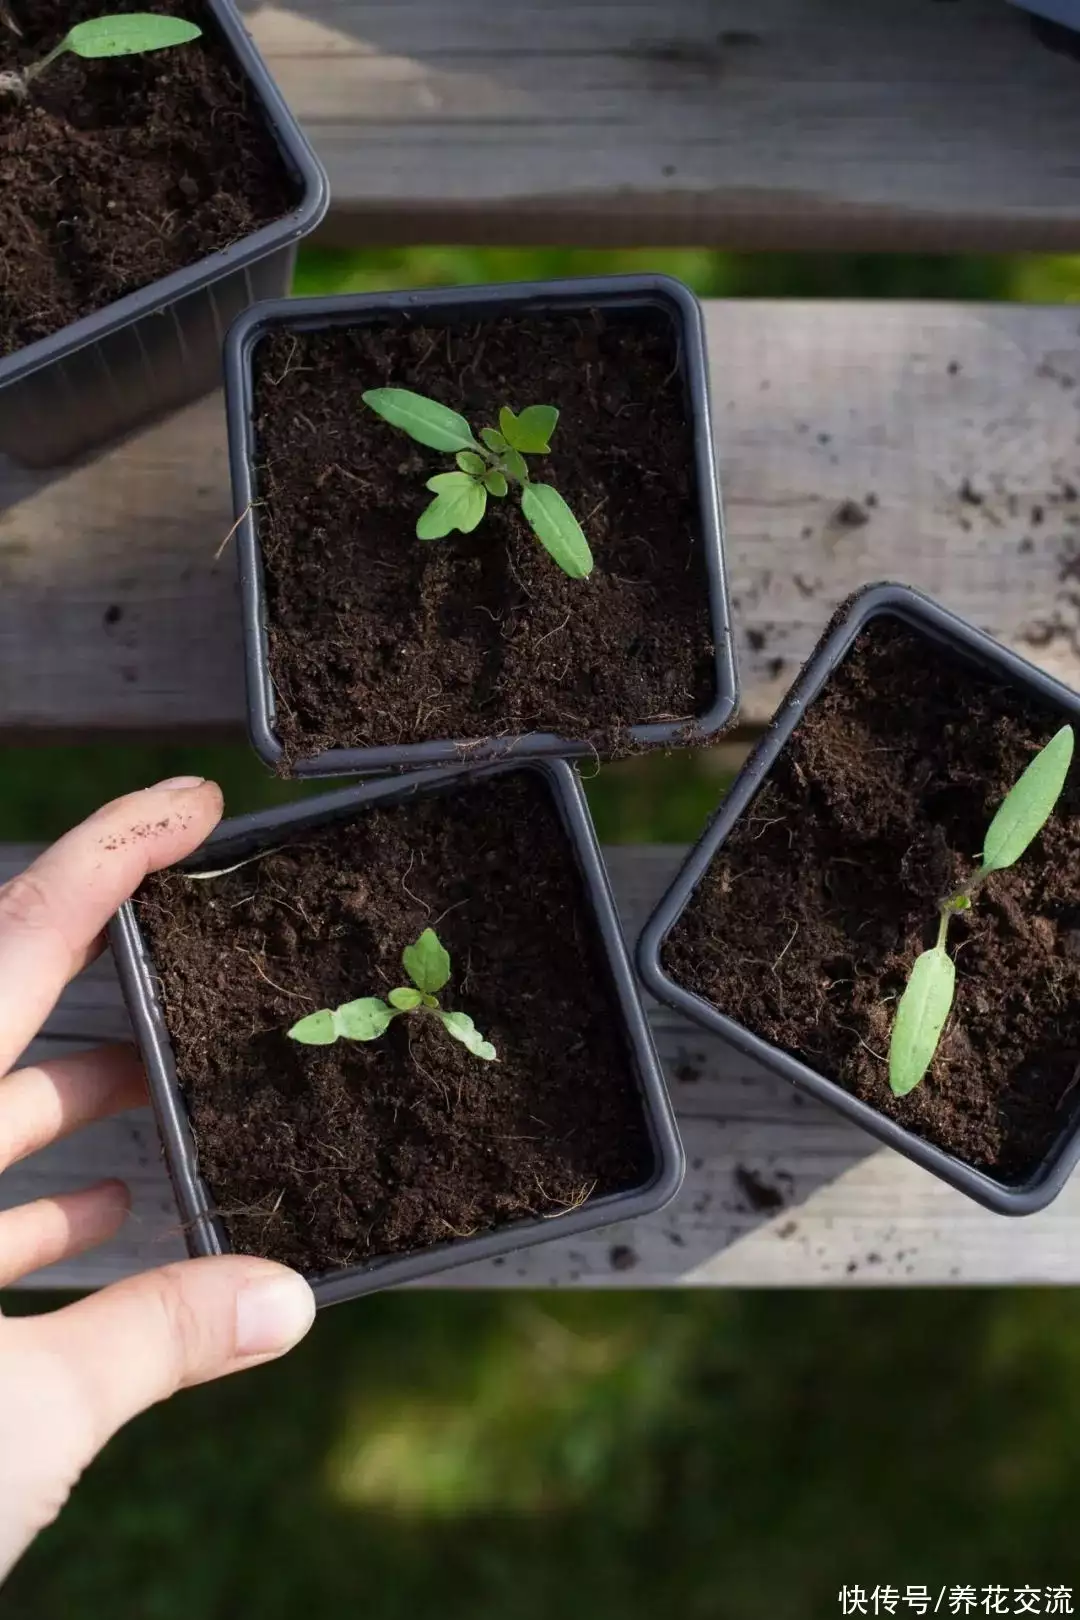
(52, 914)
(51, 1229)
(41, 1103)
(144, 1338)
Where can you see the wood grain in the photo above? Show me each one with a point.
(935, 443)
(902, 125)
(847, 1213)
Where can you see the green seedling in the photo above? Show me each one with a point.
(427, 964)
(928, 994)
(130, 35)
(487, 465)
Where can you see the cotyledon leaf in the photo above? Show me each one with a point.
(920, 1019)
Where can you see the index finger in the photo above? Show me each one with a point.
(51, 914)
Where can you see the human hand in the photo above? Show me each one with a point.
(70, 1379)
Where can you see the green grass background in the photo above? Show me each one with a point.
(617, 1456)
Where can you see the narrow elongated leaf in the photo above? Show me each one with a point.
(557, 529)
(1027, 806)
(317, 1029)
(459, 504)
(493, 438)
(470, 462)
(404, 999)
(462, 1028)
(426, 962)
(494, 482)
(424, 420)
(130, 35)
(920, 1019)
(363, 1020)
(531, 431)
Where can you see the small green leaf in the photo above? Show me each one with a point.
(462, 1028)
(514, 463)
(404, 999)
(363, 1020)
(426, 962)
(495, 483)
(557, 529)
(431, 1001)
(128, 36)
(1027, 806)
(920, 1019)
(493, 439)
(459, 504)
(470, 462)
(532, 430)
(317, 1029)
(424, 420)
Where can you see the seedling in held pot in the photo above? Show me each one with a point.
(487, 466)
(928, 994)
(427, 964)
(130, 35)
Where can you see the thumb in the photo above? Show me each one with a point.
(141, 1340)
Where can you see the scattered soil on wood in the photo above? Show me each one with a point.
(325, 1157)
(116, 173)
(808, 921)
(379, 638)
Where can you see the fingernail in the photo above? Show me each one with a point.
(172, 782)
(272, 1314)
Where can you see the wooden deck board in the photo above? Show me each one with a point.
(737, 123)
(847, 1212)
(931, 442)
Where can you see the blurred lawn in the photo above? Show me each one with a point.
(609, 1457)
(613, 1456)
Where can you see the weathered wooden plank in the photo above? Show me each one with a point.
(739, 123)
(837, 1210)
(936, 443)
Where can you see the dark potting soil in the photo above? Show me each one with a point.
(115, 173)
(324, 1157)
(808, 921)
(379, 638)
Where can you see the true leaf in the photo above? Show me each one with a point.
(405, 999)
(363, 1020)
(920, 1019)
(532, 430)
(557, 529)
(317, 1029)
(424, 420)
(128, 36)
(494, 482)
(459, 504)
(514, 463)
(1027, 806)
(426, 962)
(470, 462)
(462, 1028)
(493, 438)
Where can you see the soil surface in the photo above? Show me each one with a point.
(378, 638)
(115, 173)
(325, 1157)
(808, 921)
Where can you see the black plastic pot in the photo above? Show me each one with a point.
(451, 306)
(944, 629)
(235, 840)
(160, 347)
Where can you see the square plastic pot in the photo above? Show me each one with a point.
(940, 628)
(234, 841)
(447, 306)
(160, 347)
